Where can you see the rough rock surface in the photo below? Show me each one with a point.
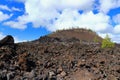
(8, 40)
(59, 60)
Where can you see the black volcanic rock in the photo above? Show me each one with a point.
(8, 40)
(59, 58)
(48, 39)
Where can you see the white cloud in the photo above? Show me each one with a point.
(47, 11)
(5, 7)
(4, 16)
(19, 23)
(39, 15)
(107, 5)
(64, 14)
(15, 9)
(96, 22)
(116, 19)
(61, 4)
(117, 29)
(116, 38)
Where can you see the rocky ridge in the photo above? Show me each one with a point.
(55, 58)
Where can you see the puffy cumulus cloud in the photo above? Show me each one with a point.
(97, 22)
(107, 5)
(61, 4)
(45, 12)
(4, 16)
(64, 14)
(48, 10)
(39, 16)
(116, 19)
(117, 29)
(77, 4)
(116, 38)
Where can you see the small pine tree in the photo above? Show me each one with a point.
(107, 43)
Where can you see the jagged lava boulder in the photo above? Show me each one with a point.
(8, 40)
(60, 56)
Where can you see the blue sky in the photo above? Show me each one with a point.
(29, 19)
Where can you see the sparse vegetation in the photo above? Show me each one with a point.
(107, 43)
(83, 34)
(60, 57)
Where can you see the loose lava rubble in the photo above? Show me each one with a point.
(59, 57)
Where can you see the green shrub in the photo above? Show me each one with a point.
(107, 43)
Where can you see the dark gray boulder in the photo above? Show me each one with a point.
(8, 40)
